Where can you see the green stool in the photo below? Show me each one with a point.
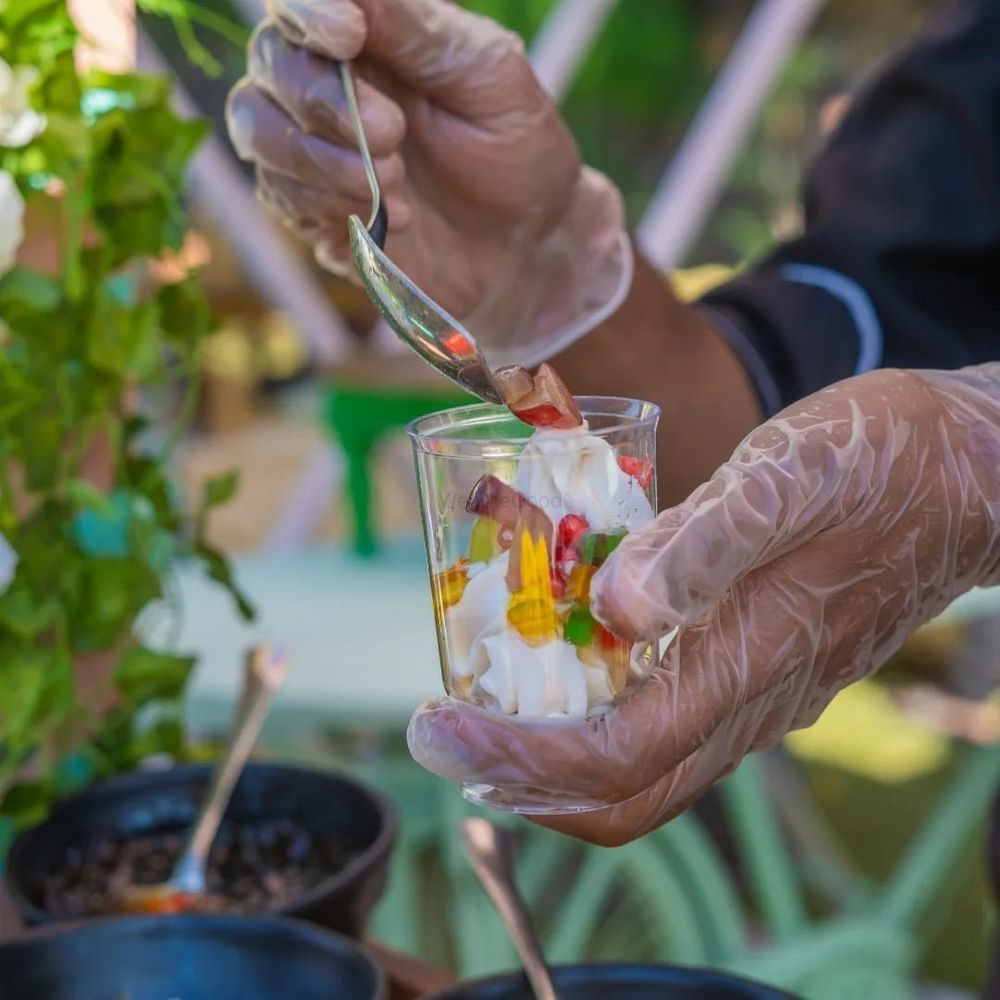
(358, 415)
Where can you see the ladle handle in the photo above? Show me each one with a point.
(265, 670)
(489, 851)
(378, 221)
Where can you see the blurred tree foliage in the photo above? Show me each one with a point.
(86, 498)
(652, 64)
(639, 84)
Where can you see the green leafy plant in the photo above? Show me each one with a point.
(86, 503)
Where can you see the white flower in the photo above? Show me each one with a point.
(11, 221)
(19, 124)
(8, 564)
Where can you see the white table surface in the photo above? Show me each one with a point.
(360, 632)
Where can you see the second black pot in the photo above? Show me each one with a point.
(622, 982)
(193, 957)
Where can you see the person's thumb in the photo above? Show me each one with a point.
(674, 570)
(462, 60)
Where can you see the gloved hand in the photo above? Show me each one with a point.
(490, 211)
(835, 529)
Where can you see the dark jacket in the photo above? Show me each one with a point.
(899, 261)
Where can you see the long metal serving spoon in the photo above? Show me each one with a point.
(265, 671)
(433, 333)
(490, 854)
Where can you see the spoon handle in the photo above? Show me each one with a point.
(489, 851)
(265, 670)
(378, 221)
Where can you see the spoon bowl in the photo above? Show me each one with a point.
(419, 321)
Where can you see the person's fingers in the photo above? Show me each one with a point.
(763, 706)
(301, 207)
(263, 133)
(309, 230)
(790, 479)
(675, 569)
(466, 62)
(625, 821)
(308, 88)
(741, 679)
(333, 254)
(305, 205)
(611, 757)
(334, 28)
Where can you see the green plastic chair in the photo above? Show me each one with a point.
(358, 417)
(671, 897)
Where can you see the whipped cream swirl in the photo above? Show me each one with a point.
(563, 472)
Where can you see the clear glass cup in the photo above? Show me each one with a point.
(516, 524)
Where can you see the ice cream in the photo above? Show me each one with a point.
(537, 681)
(480, 613)
(575, 472)
(519, 630)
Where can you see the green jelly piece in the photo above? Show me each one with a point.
(614, 540)
(595, 547)
(580, 628)
(483, 544)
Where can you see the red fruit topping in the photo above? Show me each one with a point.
(545, 415)
(458, 343)
(551, 388)
(638, 468)
(558, 585)
(570, 529)
(545, 403)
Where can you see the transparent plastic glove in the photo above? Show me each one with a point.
(489, 209)
(835, 529)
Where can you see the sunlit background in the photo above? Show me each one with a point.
(304, 398)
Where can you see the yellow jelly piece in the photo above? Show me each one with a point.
(449, 585)
(532, 620)
(532, 610)
(578, 584)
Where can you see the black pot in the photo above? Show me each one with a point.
(621, 981)
(191, 957)
(153, 801)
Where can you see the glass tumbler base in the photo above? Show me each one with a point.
(496, 798)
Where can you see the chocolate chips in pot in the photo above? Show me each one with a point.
(253, 868)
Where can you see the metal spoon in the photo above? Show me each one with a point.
(264, 672)
(489, 851)
(433, 333)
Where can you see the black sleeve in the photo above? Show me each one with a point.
(899, 262)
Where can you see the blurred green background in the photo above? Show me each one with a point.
(654, 61)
